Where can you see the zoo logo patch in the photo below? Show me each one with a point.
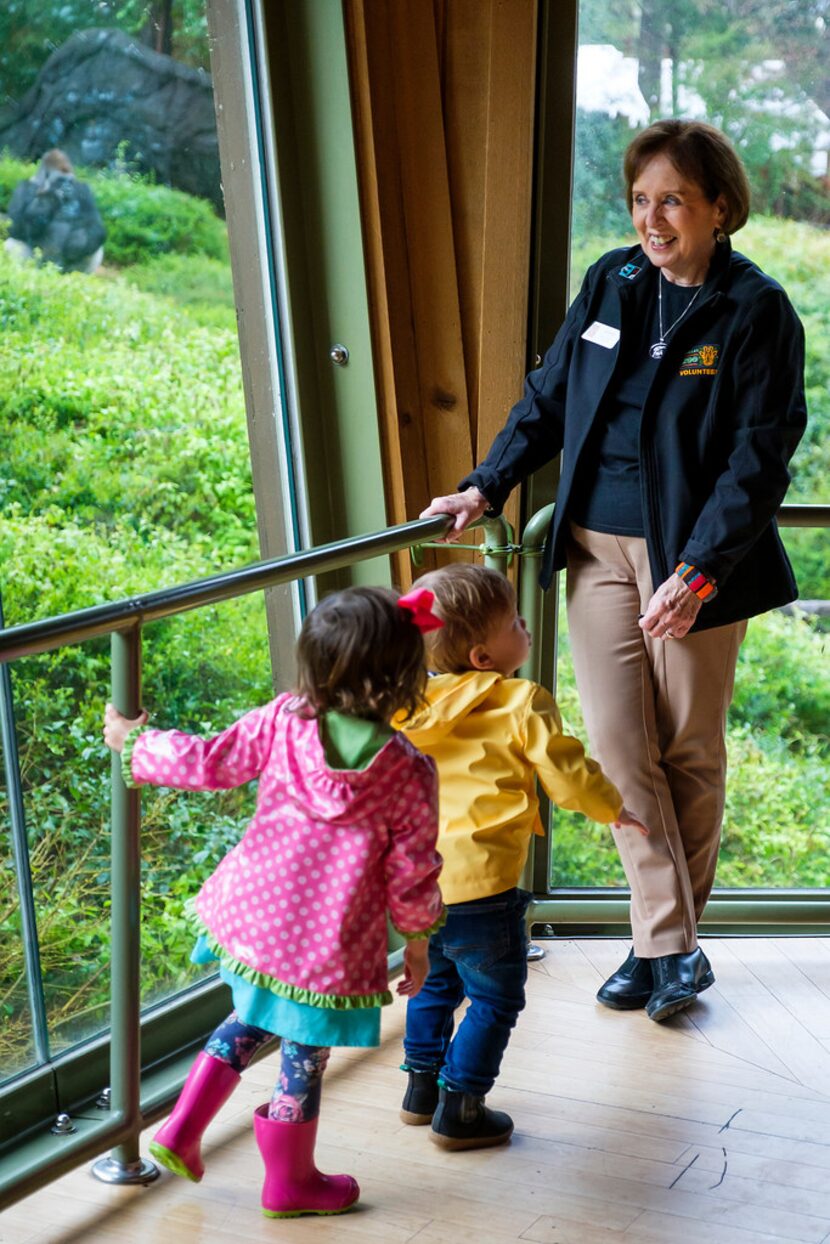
(629, 271)
(702, 361)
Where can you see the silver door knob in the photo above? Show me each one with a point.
(339, 355)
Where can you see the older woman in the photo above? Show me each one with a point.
(675, 391)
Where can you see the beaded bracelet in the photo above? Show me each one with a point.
(697, 582)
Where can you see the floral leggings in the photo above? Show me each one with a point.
(296, 1096)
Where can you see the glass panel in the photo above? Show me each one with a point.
(203, 670)
(125, 463)
(583, 852)
(760, 73)
(776, 828)
(17, 1046)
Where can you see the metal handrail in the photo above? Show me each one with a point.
(121, 615)
(804, 516)
(124, 621)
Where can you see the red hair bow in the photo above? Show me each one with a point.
(418, 602)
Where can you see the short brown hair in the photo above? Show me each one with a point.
(702, 154)
(469, 599)
(360, 654)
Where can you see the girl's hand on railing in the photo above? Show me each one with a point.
(117, 727)
(467, 507)
(627, 820)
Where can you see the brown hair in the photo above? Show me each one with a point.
(469, 599)
(360, 654)
(700, 153)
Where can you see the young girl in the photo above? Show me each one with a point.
(344, 830)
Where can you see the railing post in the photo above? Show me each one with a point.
(541, 664)
(499, 537)
(540, 667)
(125, 1164)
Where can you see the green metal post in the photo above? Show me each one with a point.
(540, 667)
(125, 1165)
(542, 659)
(498, 548)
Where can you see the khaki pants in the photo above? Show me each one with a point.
(655, 711)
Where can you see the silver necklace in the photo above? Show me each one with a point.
(658, 348)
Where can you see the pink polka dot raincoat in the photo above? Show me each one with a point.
(299, 905)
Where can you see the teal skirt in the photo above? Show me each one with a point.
(296, 1021)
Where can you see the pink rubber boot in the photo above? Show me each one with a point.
(293, 1185)
(177, 1142)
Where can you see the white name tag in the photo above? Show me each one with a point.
(602, 334)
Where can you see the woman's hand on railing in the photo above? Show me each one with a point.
(117, 727)
(467, 507)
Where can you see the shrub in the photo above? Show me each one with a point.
(200, 285)
(130, 410)
(125, 469)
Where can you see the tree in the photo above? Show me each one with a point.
(31, 30)
(756, 68)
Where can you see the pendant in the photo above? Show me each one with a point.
(657, 350)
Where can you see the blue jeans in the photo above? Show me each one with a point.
(479, 954)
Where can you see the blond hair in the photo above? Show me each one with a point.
(470, 600)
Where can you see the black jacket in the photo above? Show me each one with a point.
(722, 417)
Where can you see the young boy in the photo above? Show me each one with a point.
(490, 735)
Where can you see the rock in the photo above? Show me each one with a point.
(104, 99)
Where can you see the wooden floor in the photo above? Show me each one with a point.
(712, 1128)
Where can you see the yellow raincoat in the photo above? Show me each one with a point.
(490, 737)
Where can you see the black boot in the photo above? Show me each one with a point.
(630, 987)
(462, 1121)
(678, 979)
(420, 1098)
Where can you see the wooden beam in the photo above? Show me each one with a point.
(443, 100)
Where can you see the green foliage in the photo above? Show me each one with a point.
(201, 285)
(784, 677)
(142, 219)
(759, 71)
(30, 33)
(776, 830)
(139, 422)
(599, 190)
(125, 469)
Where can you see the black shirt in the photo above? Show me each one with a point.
(606, 494)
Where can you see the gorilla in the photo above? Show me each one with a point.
(56, 215)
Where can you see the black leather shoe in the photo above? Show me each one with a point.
(630, 987)
(678, 979)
